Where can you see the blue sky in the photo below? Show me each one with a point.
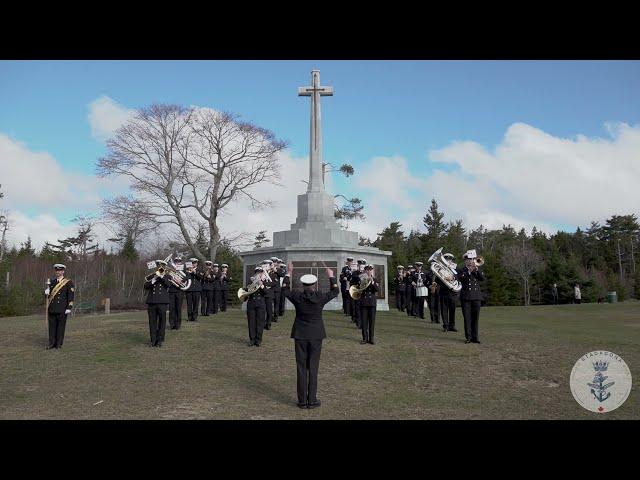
(385, 109)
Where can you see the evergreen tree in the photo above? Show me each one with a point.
(261, 239)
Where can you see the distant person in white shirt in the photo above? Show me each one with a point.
(577, 294)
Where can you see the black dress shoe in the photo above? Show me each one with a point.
(363, 342)
(258, 344)
(151, 344)
(315, 404)
(371, 342)
(453, 329)
(475, 341)
(251, 344)
(50, 347)
(467, 341)
(301, 405)
(268, 327)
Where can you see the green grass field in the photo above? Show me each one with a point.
(206, 371)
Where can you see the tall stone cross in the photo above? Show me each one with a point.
(315, 91)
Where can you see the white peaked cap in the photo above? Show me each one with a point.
(471, 254)
(308, 279)
(60, 265)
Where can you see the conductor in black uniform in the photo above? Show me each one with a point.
(398, 282)
(256, 310)
(60, 293)
(158, 298)
(470, 295)
(175, 298)
(224, 279)
(368, 303)
(308, 332)
(192, 294)
(345, 276)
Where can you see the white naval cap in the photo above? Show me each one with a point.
(224, 265)
(362, 261)
(448, 255)
(193, 260)
(308, 279)
(60, 266)
(419, 264)
(208, 262)
(400, 267)
(470, 254)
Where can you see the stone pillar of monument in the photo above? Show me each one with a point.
(316, 241)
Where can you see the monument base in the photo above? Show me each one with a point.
(315, 260)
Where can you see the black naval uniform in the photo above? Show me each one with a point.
(277, 291)
(59, 304)
(433, 300)
(175, 307)
(470, 299)
(368, 303)
(410, 294)
(447, 300)
(256, 316)
(308, 332)
(192, 295)
(217, 293)
(224, 290)
(355, 304)
(268, 297)
(345, 276)
(418, 302)
(400, 291)
(286, 283)
(158, 300)
(207, 293)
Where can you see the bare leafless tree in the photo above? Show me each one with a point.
(523, 261)
(228, 159)
(127, 218)
(191, 164)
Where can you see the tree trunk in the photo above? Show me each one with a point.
(620, 262)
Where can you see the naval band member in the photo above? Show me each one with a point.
(176, 298)
(277, 275)
(207, 289)
(345, 276)
(471, 295)
(192, 294)
(256, 310)
(60, 294)
(224, 279)
(368, 303)
(419, 282)
(308, 332)
(398, 282)
(158, 300)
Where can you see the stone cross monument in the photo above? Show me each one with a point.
(316, 240)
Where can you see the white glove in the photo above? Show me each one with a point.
(46, 291)
(153, 280)
(67, 311)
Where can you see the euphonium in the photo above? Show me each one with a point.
(441, 268)
(176, 277)
(479, 260)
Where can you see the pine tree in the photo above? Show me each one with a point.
(261, 239)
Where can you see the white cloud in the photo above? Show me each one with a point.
(542, 179)
(106, 116)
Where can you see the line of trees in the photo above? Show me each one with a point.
(521, 267)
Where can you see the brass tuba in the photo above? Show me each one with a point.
(441, 268)
(479, 261)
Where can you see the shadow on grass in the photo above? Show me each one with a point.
(256, 386)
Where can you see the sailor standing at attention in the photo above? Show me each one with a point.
(60, 293)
